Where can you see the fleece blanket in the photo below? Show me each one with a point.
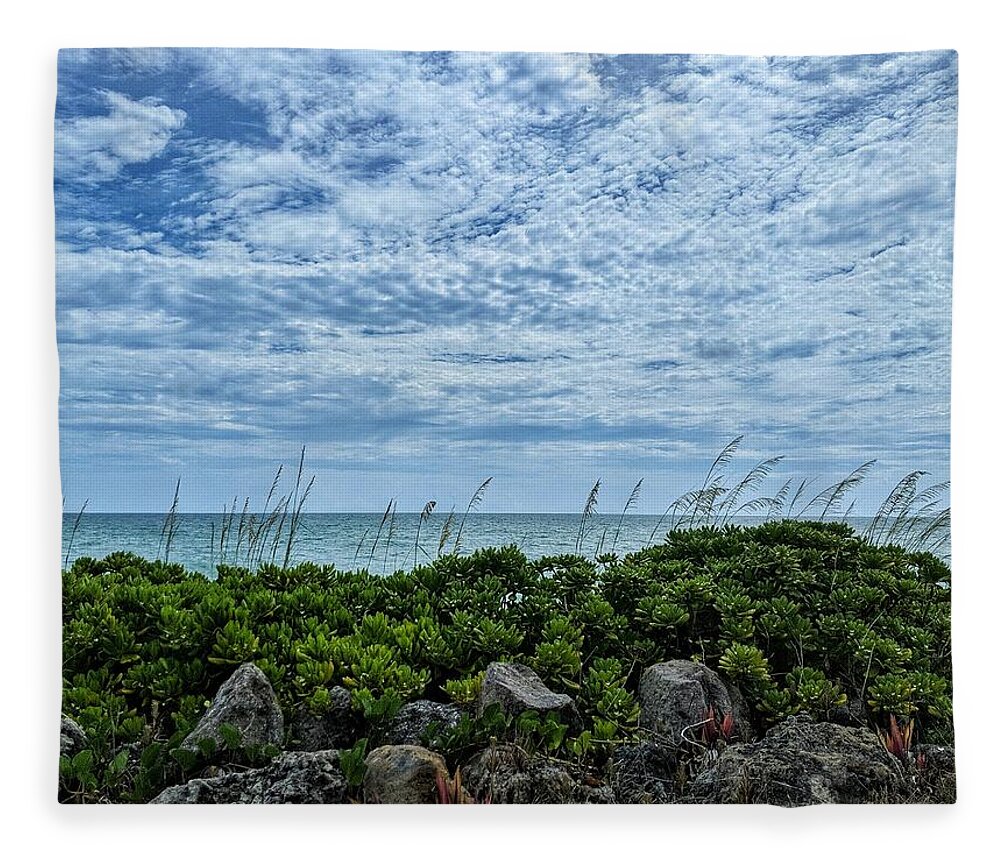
(505, 427)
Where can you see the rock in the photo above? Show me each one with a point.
(644, 773)
(506, 774)
(674, 698)
(414, 719)
(935, 780)
(516, 688)
(800, 762)
(247, 702)
(336, 728)
(72, 739)
(294, 777)
(403, 773)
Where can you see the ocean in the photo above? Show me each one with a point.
(348, 541)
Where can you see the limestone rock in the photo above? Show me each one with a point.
(506, 774)
(295, 777)
(72, 739)
(410, 725)
(644, 773)
(674, 698)
(517, 688)
(247, 702)
(800, 762)
(336, 728)
(935, 774)
(403, 773)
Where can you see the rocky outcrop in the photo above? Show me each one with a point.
(411, 724)
(246, 702)
(336, 728)
(517, 688)
(675, 697)
(72, 739)
(799, 763)
(295, 777)
(506, 774)
(644, 773)
(403, 773)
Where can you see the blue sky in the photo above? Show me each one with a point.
(549, 268)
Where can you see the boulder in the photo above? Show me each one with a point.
(800, 762)
(411, 724)
(72, 739)
(338, 727)
(403, 773)
(675, 697)
(246, 702)
(506, 774)
(294, 777)
(644, 773)
(517, 688)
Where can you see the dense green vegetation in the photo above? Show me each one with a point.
(802, 616)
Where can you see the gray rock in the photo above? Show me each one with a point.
(674, 699)
(410, 725)
(935, 774)
(336, 728)
(799, 763)
(403, 774)
(506, 774)
(72, 739)
(644, 773)
(517, 688)
(295, 777)
(247, 702)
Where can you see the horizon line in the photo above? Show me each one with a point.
(380, 513)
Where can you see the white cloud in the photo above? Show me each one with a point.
(93, 149)
(522, 257)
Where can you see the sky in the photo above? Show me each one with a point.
(432, 268)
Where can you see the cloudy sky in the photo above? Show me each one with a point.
(433, 268)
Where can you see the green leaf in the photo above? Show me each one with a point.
(231, 736)
(352, 763)
(117, 765)
(207, 746)
(187, 759)
(82, 762)
(150, 756)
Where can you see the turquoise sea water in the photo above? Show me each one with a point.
(348, 540)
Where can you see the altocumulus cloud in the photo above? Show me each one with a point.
(430, 267)
(92, 149)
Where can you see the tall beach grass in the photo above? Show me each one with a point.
(914, 515)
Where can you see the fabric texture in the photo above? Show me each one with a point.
(448, 427)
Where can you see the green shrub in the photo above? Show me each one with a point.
(801, 616)
(464, 691)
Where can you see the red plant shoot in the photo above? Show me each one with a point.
(726, 729)
(898, 739)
